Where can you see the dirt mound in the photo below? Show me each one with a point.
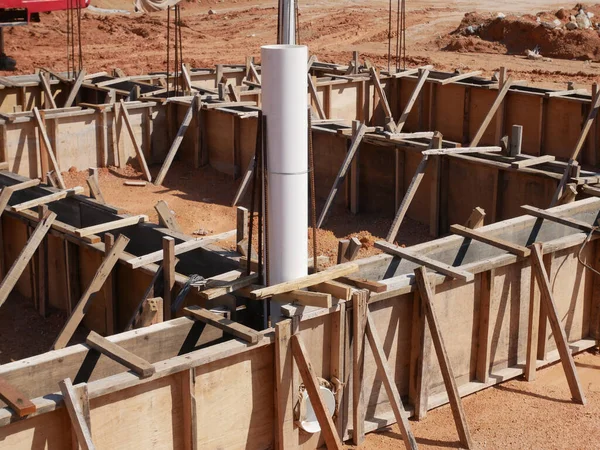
(558, 34)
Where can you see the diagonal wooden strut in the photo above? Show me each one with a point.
(558, 331)
(356, 140)
(96, 284)
(332, 440)
(138, 150)
(492, 112)
(79, 421)
(390, 385)
(427, 296)
(423, 74)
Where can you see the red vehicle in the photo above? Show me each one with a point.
(21, 12)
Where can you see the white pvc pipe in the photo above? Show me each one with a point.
(284, 104)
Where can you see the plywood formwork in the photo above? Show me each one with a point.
(222, 395)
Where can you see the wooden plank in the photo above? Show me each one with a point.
(423, 74)
(15, 399)
(166, 217)
(14, 273)
(75, 89)
(483, 368)
(363, 283)
(138, 150)
(284, 406)
(307, 298)
(44, 200)
(359, 321)
(558, 330)
(190, 409)
(460, 77)
(356, 140)
(229, 326)
(492, 112)
(5, 196)
(502, 244)
(49, 102)
(112, 225)
(390, 385)
(568, 221)
(594, 107)
(95, 285)
(343, 245)
(168, 244)
(304, 282)
(48, 148)
(407, 199)
(217, 287)
(336, 289)
(186, 78)
(461, 150)
(21, 186)
(117, 353)
(78, 420)
(532, 161)
(180, 248)
(458, 412)
(332, 440)
(451, 271)
(354, 247)
(176, 142)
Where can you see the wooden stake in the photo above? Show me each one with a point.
(84, 303)
(13, 275)
(165, 217)
(94, 185)
(558, 331)
(332, 440)
(458, 412)
(169, 274)
(390, 385)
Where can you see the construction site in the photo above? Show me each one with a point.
(244, 224)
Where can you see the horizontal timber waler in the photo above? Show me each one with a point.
(223, 395)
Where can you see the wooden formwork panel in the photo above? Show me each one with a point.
(420, 206)
(50, 431)
(76, 141)
(448, 111)
(481, 101)
(377, 179)
(247, 141)
(131, 286)
(518, 188)
(572, 288)
(148, 416)
(22, 149)
(343, 101)
(330, 152)
(57, 276)
(220, 135)
(562, 127)
(469, 186)
(235, 401)
(525, 110)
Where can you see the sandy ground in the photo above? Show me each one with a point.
(515, 415)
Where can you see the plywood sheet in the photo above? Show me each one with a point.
(448, 111)
(22, 149)
(151, 412)
(377, 179)
(518, 188)
(563, 124)
(525, 110)
(220, 134)
(50, 431)
(235, 398)
(343, 101)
